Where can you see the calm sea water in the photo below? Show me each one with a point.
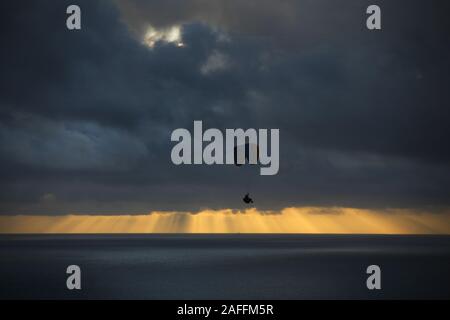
(224, 266)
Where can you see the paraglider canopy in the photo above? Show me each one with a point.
(246, 154)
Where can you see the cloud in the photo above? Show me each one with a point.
(69, 145)
(288, 220)
(215, 63)
(363, 116)
(169, 35)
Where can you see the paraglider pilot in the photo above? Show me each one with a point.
(247, 199)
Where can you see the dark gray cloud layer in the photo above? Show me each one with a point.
(86, 116)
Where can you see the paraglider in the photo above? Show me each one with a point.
(190, 149)
(250, 152)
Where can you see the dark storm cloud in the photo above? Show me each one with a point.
(321, 64)
(86, 116)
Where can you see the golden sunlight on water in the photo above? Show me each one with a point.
(289, 220)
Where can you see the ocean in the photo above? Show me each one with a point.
(224, 266)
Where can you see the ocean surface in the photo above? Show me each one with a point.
(233, 266)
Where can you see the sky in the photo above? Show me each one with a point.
(86, 116)
(308, 220)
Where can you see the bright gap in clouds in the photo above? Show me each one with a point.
(288, 220)
(170, 35)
